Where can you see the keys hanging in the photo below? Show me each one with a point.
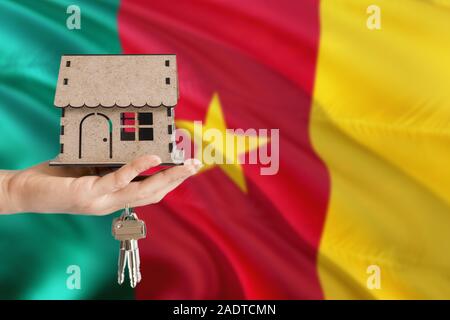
(128, 229)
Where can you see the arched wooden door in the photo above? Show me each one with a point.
(95, 138)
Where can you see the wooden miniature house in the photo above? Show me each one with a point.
(115, 108)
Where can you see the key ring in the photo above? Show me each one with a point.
(127, 210)
(129, 213)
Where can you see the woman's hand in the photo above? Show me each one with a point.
(72, 190)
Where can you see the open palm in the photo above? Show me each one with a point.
(85, 190)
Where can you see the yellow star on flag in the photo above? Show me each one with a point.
(229, 150)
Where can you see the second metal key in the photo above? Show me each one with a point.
(128, 229)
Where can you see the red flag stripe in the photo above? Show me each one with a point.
(207, 238)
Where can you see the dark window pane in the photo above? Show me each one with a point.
(169, 129)
(169, 112)
(145, 134)
(170, 147)
(127, 136)
(145, 118)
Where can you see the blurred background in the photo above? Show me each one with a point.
(359, 208)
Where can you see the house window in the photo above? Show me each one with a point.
(127, 118)
(140, 122)
(145, 118)
(127, 134)
(128, 126)
(145, 134)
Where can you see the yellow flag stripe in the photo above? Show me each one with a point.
(380, 121)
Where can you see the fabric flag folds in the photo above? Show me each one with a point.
(380, 121)
(360, 205)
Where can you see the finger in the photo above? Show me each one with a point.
(150, 187)
(103, 171)
(119, 179)
(146, 194)
(148, 190)
(160, 194)
(163, 191)
(163, 178)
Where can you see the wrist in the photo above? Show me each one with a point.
(8, 196)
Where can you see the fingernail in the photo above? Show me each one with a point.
(195, 164)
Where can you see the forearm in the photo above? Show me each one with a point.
(7, 204)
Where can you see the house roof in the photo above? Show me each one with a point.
(117, 80)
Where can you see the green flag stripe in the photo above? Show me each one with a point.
(38, 249)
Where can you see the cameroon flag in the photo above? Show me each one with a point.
(359, 207)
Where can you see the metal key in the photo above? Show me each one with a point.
(128, 229)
